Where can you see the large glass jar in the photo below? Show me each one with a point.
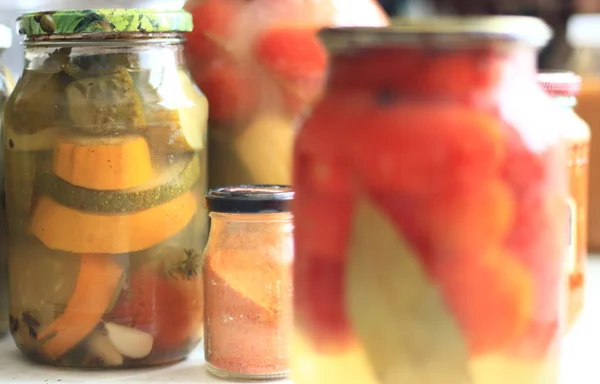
(584, 36)
(6, 86)
(429, 213)
(261, 64)
(247, 282)
(564, 87)
(105, 139)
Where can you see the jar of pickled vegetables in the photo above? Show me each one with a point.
(261, 64)
(563, 87)
(247, 282)
(105, 139)
(429, 213)
(6, 86)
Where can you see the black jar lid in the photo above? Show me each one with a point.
(250, 199)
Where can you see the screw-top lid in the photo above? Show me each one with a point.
(560, 83)
(524, 29)
(250, 199)
(5, 37)
(104, 21)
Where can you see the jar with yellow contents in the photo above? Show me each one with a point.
(105, 141)
(564, 87)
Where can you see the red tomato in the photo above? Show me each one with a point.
(170, 308)
(323, 224)
(213, 26)
(297, 60)
(291, 52)
(436, 72)
(469, 222)
(491, 296)
(319, 301)
(231, 93)
(423, 149)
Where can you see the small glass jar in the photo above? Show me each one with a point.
(564, 87)
(247, 282)
(105, 139)
(6, 87)
(429, 209)
(261, 65)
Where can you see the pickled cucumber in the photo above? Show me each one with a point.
(173, 179)
(105, 104)
(38, 103)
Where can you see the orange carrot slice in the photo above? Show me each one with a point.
(64, 228)
(103, 163)
(98, 278)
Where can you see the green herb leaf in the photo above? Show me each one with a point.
(396, 311)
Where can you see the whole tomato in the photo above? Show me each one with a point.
(165, 301)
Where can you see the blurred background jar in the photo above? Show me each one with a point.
(460, 243)
(584, 36)
(6, 87)
(105, 166)
(248, 282)
(261, 65)
(564, 87)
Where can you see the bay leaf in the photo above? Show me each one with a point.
(397, 312)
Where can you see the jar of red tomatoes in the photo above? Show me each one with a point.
(260, 64)
(429, 212)
(564, 87)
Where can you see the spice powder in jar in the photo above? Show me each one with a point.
(247, 282)
(563, 87)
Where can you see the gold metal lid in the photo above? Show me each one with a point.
(441, 30)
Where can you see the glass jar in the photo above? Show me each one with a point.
(583, 34)
(247, 282)
(261, 64)
(563, 87)
(6, 86)
(429, 210)
(105, 139)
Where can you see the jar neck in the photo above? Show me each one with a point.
(430, 70)
(280, 218)
(88, 54)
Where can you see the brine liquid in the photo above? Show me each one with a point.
(351, 366)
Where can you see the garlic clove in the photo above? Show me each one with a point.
(130, 342)
(100, 346)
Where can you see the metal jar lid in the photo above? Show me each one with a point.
(70, 22)
(443, 30)
(250, 199)
(560, 83)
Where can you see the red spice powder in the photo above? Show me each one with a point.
(248, 313)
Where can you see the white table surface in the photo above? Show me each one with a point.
(580, 365)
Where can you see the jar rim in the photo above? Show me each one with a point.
(527, 30)
(250, 198)
(104, 40)
(104, 21)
